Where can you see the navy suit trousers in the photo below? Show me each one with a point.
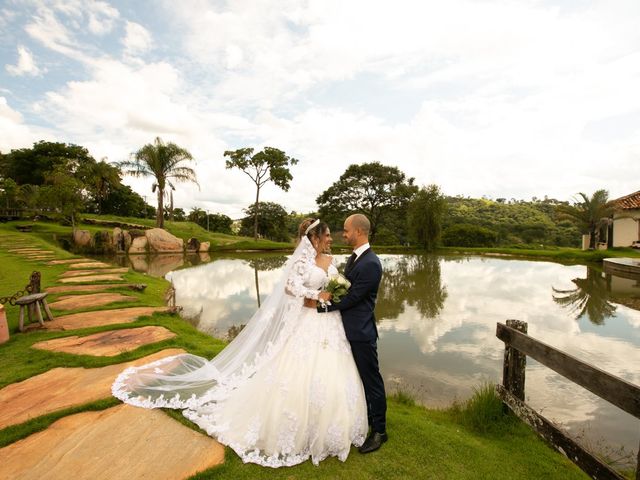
(365, 355)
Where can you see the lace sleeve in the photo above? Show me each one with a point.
(295, 282)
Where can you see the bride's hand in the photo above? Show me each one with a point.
(324, 296)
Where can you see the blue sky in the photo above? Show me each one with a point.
(484, 98)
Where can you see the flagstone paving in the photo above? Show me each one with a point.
(90, 265)
(69, 260)
(80, 273)
(87, 288)
(92, 278)
(107, 344)
(61, 388)
(74, 302)
(140, 444)
(100, 318)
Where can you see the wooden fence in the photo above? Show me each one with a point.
(619, 392)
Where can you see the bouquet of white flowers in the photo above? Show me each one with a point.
(338, 287)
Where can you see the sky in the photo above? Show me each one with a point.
(497, 98)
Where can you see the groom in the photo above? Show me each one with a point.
(364, 271)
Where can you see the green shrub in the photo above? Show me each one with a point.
(465, 235)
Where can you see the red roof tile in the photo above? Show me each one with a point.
(628, 202)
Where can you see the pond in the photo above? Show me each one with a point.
(437, 319)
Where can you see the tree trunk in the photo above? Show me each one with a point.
(592, 239)
(160, 213)
(255, 268)
(255, 216)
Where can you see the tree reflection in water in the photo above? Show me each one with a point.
(590, 297)
(271, 262)
(414, 280)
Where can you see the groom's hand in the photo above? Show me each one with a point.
(324, 296)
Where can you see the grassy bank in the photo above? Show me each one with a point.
(423, 443)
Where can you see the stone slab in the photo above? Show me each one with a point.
(36, 252)
(92, 278)
(119, 443)
(86, 288)
(69, 260)
(103, 317)
(61, 388)
(74, 302)
(107, 344)
(80, 273)
(90, 265)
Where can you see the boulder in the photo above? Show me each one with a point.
(102, 242)
(161, 241)
(82, 238)
(127, 240)
(193, 245)
(138, 245)
(118, 240)
(205, 246)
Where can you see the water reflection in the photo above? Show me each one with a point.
(437, 318)
(590, 297)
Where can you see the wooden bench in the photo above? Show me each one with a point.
(35, 300)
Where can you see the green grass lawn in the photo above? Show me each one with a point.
(424, 443)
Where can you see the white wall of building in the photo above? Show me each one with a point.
(626, 228)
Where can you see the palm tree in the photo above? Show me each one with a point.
(590, 297)
(161, 161)
(589, 214)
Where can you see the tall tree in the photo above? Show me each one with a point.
(425, 214)
(380, 192)
(270, 164)
(272, 221)
(589, 214)
(32, 165)
(65, 193)
(102, 178)
(164, 162)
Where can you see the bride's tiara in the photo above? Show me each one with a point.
(312, 226)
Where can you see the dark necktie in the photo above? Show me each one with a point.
(352, 259)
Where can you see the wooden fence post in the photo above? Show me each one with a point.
(514, 365)
(4, 326)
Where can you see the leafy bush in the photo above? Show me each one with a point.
(465, 235)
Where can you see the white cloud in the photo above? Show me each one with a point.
(137, 39)
(15, 133)
(26, 64)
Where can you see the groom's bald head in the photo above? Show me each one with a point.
(356, 230)
(360, 222)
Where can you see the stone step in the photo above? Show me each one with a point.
(80, 273)
(103, 317)
(119, 443)
(74, 302)
(62, 388)
(87, 288)
(69, 260)
(90, 265)
(107, 344)
(92, 278)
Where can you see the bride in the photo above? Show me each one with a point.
(286, 389)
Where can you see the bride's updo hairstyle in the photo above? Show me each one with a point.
(315, 232)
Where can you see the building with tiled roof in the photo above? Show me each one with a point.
(626, 220)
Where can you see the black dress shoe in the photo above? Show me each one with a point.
(373, 442)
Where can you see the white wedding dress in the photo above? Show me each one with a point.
(285, 390)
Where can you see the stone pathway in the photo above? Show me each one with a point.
(92, 278)
(90, 265)
(69, 260)
(119, 443)
(107, 344)
(81, 273)
(61, 388)
(122, 442)
(100, 318)
(88, 288)
(74, 302)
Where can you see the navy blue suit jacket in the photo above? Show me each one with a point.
(358, 305)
